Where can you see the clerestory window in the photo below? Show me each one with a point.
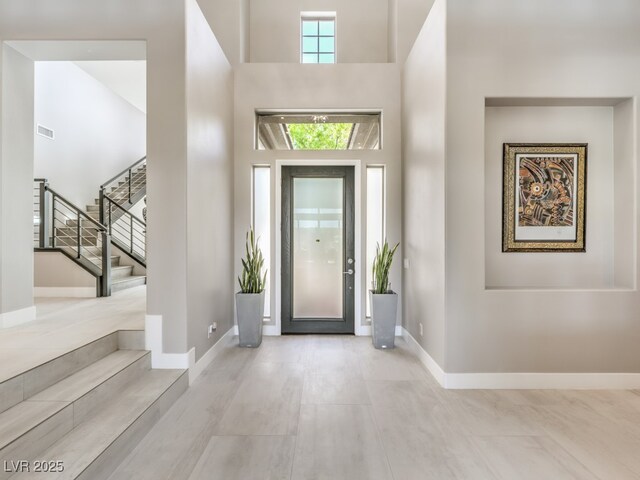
(318, 42)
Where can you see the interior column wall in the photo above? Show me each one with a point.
(423, 139)
(16, 181)
(210, 178)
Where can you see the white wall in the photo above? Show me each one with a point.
(423, 137)
(269, 86)
(97, 133)
(555, 49)
(230, 24)
(410, 16)
(16, 181)
(361, 29)
(163, 29)
(210, 178)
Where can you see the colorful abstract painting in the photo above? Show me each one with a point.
(544, 197)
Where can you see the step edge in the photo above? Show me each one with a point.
(67, 403)
(138, 418)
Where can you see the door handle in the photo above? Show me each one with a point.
(348, 272)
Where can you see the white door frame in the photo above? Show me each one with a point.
(358, 320)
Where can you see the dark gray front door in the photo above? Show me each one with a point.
(318, 268)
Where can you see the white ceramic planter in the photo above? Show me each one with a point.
(250, 311)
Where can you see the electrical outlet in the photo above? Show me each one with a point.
(420, 325)
(212, 328)
(406, 263)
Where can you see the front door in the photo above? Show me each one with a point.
(318, 264)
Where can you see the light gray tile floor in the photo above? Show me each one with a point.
(333, 407)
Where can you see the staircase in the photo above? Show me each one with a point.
(86, 236)
(83, 412)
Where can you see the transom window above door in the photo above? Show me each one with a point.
(318, 37)
(320, 130)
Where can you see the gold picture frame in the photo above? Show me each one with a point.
(544, 197)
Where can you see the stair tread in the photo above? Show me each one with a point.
(132, 278)
(122, 267)
(82, 382)
(80, 447)
(19, 419)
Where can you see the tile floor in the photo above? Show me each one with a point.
(63, 324)
(332, 407)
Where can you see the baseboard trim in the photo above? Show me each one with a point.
(153, 342)
(197, 368)
(430, 364)
(524, 380)
(65, 292)
(17, 317)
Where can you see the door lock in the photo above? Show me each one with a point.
(348, 272)
(350, 261)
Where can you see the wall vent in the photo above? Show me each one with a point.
(45, 132)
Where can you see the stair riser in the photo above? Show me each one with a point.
(88, 405)
(103, 466)
(33, 442)
(120, 273)
(10, 393)
(37, 440)
(124, 286)
(44, 376)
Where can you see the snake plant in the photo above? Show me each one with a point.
(381, 266)
(252, 279)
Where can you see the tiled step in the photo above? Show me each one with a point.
(128, 282)
(35, 424)
(93, 449)
(118, 273)
(115, 260)
(35, 380)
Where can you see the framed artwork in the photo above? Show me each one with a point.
(544, 197)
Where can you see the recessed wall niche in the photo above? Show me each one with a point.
(607, 125)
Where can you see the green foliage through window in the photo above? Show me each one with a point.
(320, 136)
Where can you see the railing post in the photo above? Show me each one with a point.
(79, 234)
(101, 205)
(44, 217)
(105, 280)
(131, 232)
(130, 185)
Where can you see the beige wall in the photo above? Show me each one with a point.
(270, 86)
(55, 270)
(559, 49)
(423, 140)
(361, 31)
(16, 181)
(230, 24)
(210, 179)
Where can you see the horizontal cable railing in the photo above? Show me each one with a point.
(117, 196)
(66, 228)
(128, 232)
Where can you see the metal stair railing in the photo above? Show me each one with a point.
(117, 196)
(64, 227)
(128, 232)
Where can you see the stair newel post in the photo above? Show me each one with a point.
(44, 215)
(101, 205)
(105, 283)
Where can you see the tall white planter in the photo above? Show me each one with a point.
(250, 310)
(384, 308)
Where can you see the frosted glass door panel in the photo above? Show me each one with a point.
(318, 243)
